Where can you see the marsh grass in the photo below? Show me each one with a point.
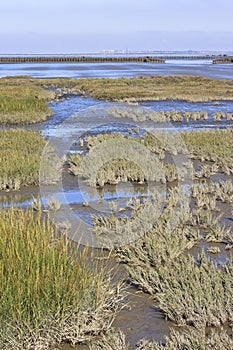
(211, 145)
(121, 170)
(207, 145)
(127, 168)
(222, 190)
(131, 90)
(23, 101)
(23, 111)
(192, 89)
(50, 292)
(20, 155)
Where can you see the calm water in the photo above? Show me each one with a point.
(62, 125)
(115, 70)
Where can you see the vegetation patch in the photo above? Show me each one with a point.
(178, 340)
(20, 155)
(23, 102)
(155, 88)
(207, 145)
(50, 292)
(23, 111)
(190, 340)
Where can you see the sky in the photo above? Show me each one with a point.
(73, 26)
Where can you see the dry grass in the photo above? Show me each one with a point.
(113, 340)
(140, 115)
(189, 292)
(190, 340)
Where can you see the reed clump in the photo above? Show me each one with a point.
(20, 155)
(50, 292)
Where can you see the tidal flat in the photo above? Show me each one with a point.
(62, 295)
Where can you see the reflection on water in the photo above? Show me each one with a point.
(65, 123)
(120, 69)
(72, 195)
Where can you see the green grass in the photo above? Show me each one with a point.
(49, 291)
(23, 111)
(22, 101)
(20, 155)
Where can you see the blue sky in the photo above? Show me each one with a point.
(28, 26)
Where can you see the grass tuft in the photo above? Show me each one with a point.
(20, 155)
(49, 291)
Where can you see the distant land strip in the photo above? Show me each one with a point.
(87, 59)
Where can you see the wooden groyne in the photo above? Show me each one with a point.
(223, 60)
(56, 59)
(105, 59)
